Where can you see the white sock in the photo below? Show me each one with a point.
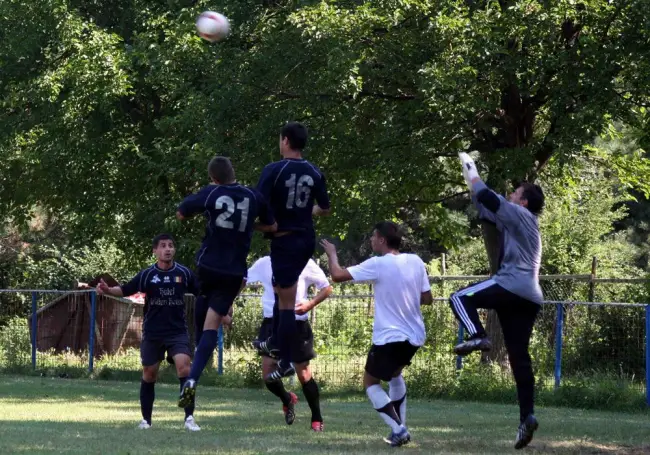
(382, 404)
(397, 394)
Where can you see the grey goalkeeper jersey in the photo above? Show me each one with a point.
(521, 246)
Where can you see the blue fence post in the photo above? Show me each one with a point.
(34, 327)
(647, 354)
(220, 352)
(91, 335)
(461, 336)
(559, 324)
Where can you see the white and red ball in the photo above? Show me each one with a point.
(212, 26)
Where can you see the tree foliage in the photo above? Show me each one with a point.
(110, 110)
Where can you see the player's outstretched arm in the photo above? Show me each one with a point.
(487, 202)
(103, 288)
(339, 274)
(493, 207)
(192, 205)
(126, 290)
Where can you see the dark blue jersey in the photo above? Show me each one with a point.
(230, 211)
(164, 303)
(291, 186)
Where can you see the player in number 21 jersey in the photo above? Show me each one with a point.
(231, 211)
(292, 186)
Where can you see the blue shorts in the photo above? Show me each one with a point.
(153, 351)
(289, 256)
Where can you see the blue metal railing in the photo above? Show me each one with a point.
(560, 319)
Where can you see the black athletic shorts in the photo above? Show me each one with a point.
(153, 351)
(303, 349)
(220, 290)
(387, 359)
(290, 254)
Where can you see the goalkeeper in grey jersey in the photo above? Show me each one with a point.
(513, 292)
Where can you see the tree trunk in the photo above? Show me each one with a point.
(492, 327)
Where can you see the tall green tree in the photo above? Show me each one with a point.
(111, 110)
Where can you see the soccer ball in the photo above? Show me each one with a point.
(212, 26)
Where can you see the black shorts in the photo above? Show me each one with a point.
(387, 359)
(289, 256)
(303, 349)
(220, 290)
(153, 351)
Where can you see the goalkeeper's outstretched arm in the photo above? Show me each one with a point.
(491, 206)
(495, 207)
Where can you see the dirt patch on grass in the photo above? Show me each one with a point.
(587, 447)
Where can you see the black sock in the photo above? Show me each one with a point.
(390, 411)
(286, 335)
(147, 397)
(190, 409)
(277, 389)
(397, 404)
(312, 395)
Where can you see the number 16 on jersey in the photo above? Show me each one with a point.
(299, 192)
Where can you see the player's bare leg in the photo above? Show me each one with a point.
(148, 393)
(204, 350)
(312, 394)
(183, 364)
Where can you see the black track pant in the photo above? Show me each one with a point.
(517, 317)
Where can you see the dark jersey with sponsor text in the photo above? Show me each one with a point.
(164, 303)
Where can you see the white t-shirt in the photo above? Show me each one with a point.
(399, 281)
(261, 272)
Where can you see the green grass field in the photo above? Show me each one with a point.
(45, 415)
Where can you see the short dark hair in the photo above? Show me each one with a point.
(391, 232)
(160, 237)
(296, 133)
(534, 196)
(221, 170)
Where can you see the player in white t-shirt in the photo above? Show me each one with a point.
(401, 286)
(303, 352)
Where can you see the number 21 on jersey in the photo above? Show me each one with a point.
(223, 220)
(298, 191)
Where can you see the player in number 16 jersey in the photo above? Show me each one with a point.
(231, 211)
(291, 186)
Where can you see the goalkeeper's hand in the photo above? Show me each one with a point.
(469, 168)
